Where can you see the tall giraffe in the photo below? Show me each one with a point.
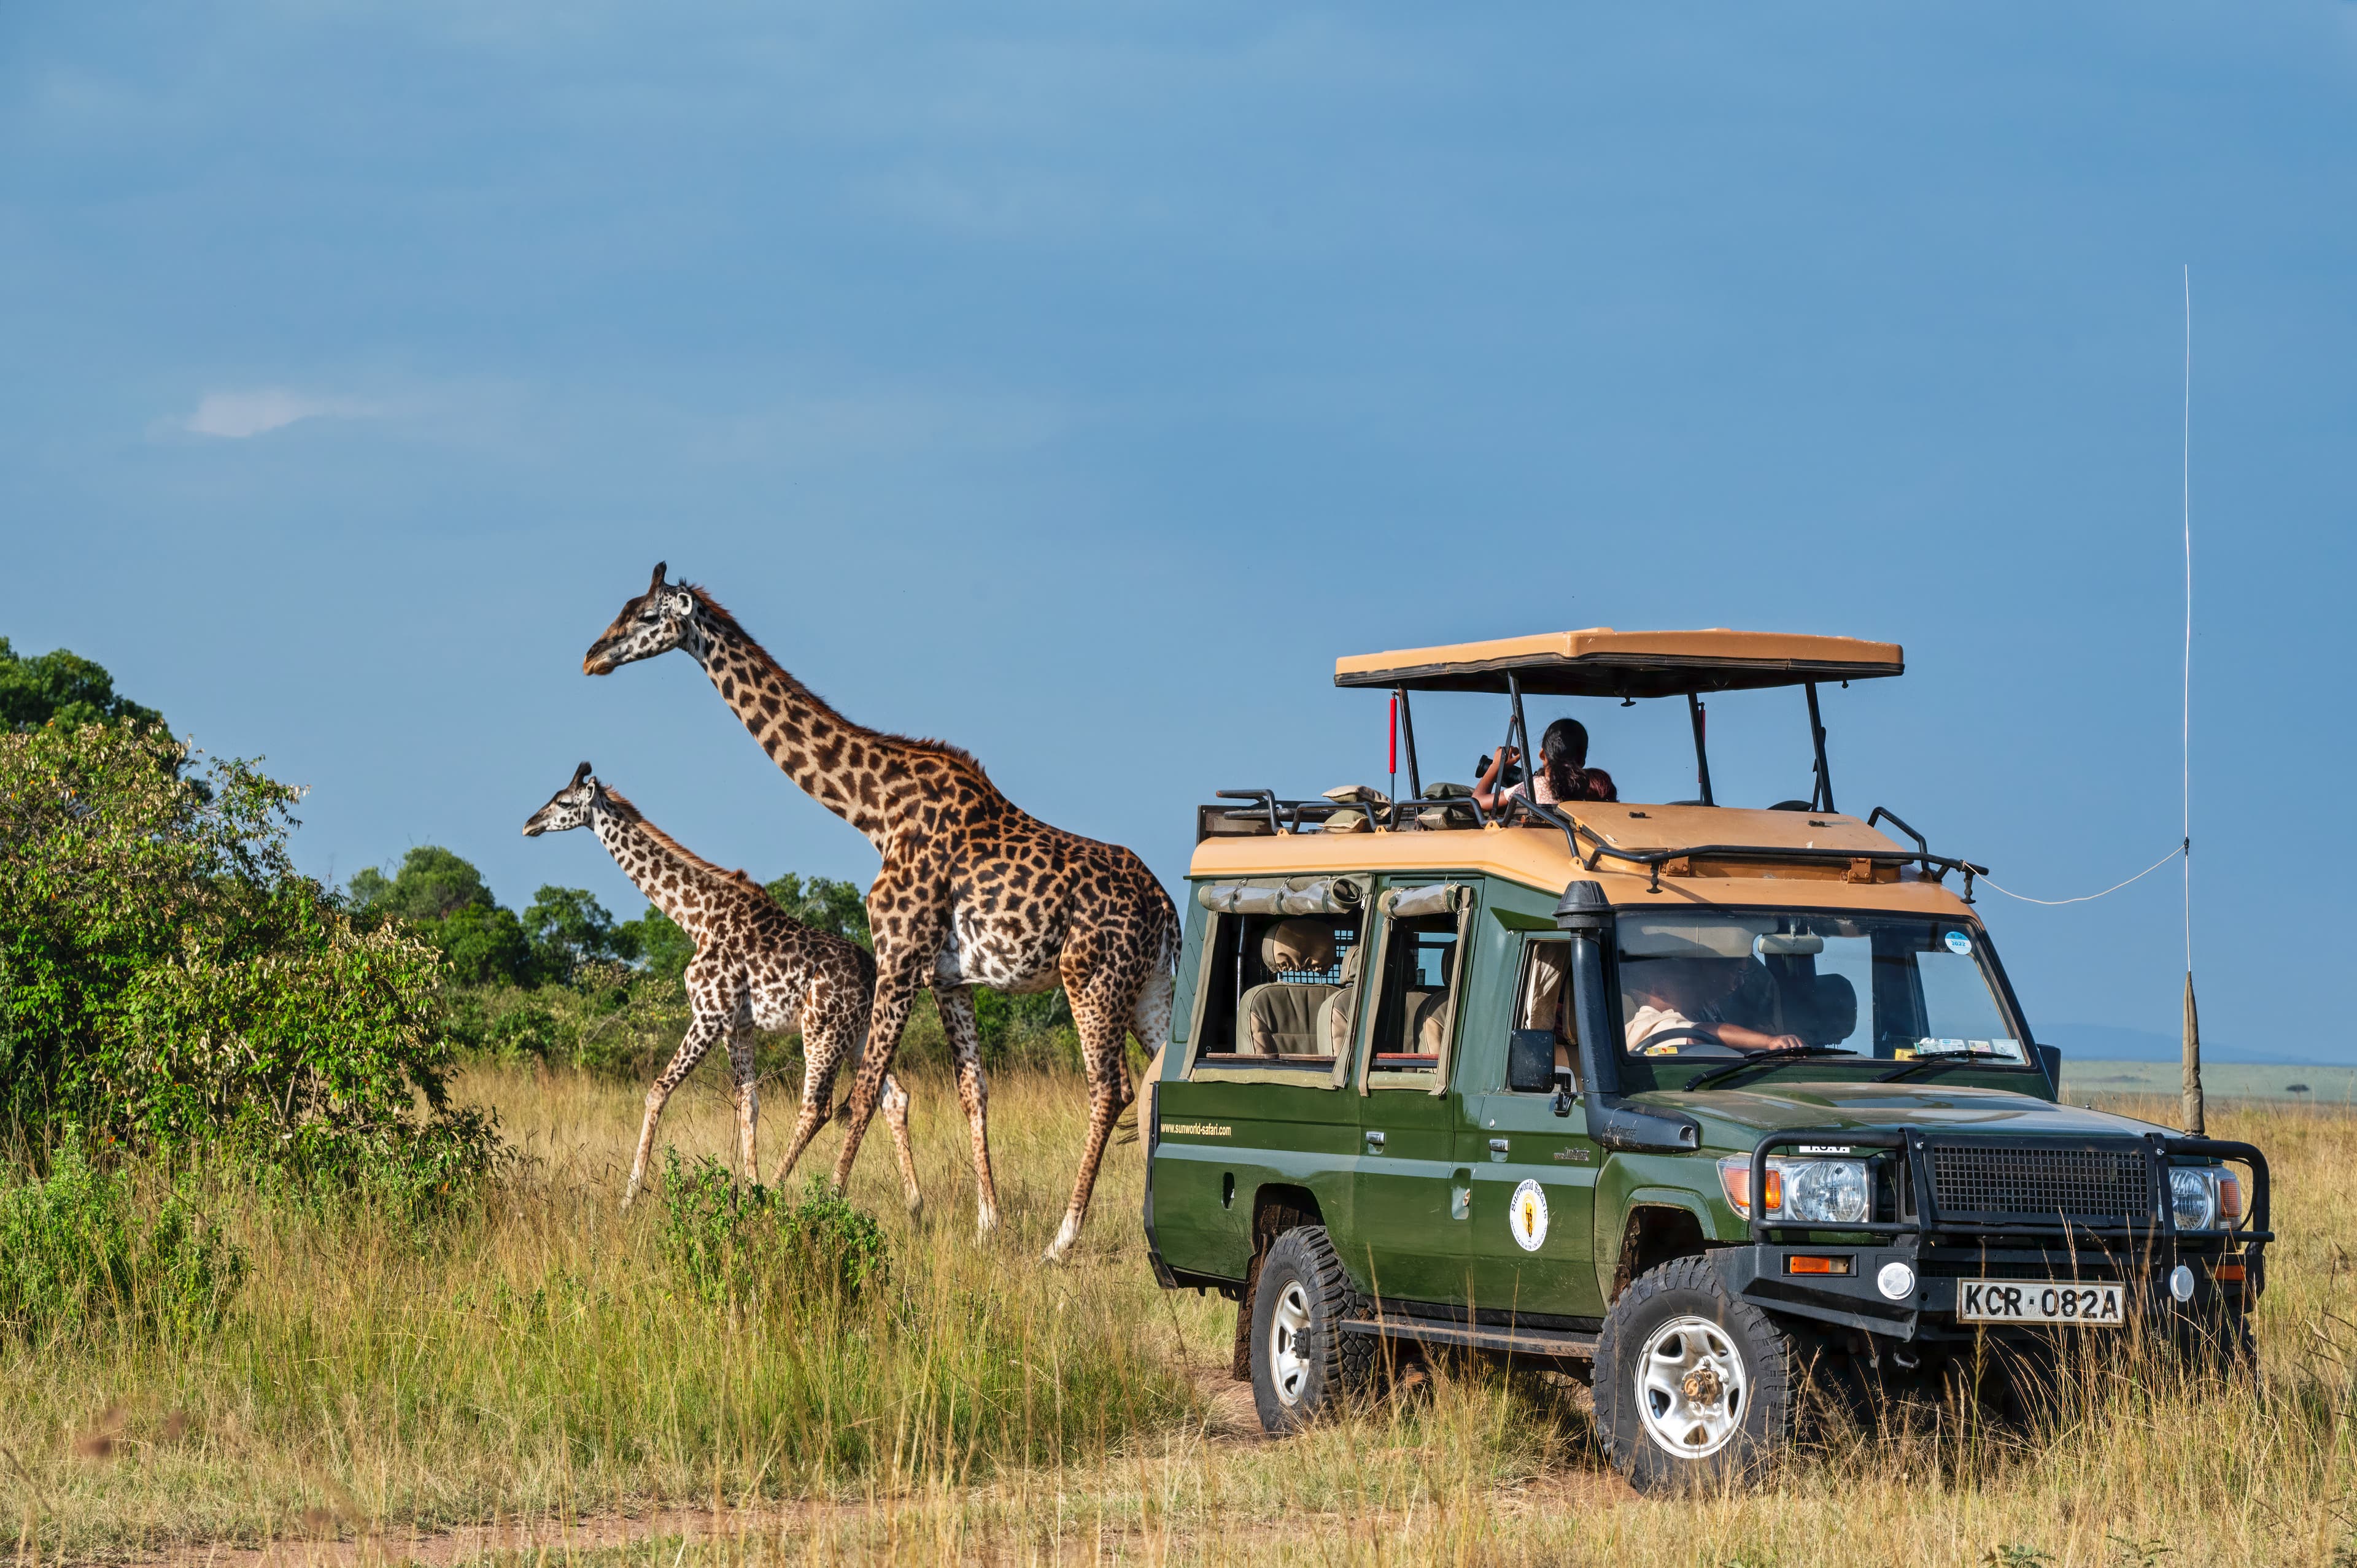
(755, 965)
(973, 891)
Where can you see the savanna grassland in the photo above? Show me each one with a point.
(539, 1356)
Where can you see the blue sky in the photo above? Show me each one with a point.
(1076, 381)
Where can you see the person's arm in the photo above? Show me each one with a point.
(1483, 795)
(1745, 1039)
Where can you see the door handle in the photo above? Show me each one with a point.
(1374, 1140)
(1498, 1145)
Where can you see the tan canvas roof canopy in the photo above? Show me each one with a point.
(1602, 663)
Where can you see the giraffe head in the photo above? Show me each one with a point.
(569, 808)
(662, 618)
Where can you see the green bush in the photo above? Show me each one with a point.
(736, 1245)
(167, 977)
(76, 1257)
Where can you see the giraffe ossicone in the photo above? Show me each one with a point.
(972, 889)
(755, 967)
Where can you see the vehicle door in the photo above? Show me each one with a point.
(1412, 1194)
(1532, 1163)
(1254, 1094)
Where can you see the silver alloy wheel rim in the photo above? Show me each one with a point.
(1288, 1369)
(1691, 1387)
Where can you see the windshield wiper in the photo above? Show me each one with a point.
(1762, 1058)
(1945, 1058)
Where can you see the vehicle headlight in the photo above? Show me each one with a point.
(2193, 1195)
(1808, 1192)
(1827, 1191)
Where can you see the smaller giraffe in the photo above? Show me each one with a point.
(755, 965)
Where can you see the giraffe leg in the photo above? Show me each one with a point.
(974, 1093)
(825, 1042)
(896, 1117)
(749, 1100)
(701, 1033)
(904, 959)
(1103, 1031)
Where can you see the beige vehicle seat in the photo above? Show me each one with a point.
(1336, 1013)
(1280, 1018)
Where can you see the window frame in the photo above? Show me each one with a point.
(1466, 897)
(1216, 930)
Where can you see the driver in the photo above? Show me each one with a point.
(1671, 992)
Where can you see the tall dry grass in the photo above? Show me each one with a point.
(534, 1359)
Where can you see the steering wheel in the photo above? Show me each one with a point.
(1686, 1031)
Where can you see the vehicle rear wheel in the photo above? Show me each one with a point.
(1694, 1387)
(1302, 1362)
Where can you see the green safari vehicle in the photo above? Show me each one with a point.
(1683, 1099)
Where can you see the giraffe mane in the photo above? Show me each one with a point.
(720, 612)
(622, 808)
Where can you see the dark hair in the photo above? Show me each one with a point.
(1563, 750)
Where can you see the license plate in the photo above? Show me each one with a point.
(2032, 1301)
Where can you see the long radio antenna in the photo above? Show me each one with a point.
(2192, 1085)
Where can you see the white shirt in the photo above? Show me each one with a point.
(1651, 1021)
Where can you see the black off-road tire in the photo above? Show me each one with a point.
(1688, 1291)
(1303, 1365)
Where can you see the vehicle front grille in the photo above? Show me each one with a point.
(2083, 1184)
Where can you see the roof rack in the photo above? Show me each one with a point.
(1935, 867)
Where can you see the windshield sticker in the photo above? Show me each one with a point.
(1959, 943)
(1527, 1217)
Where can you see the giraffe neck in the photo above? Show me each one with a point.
(669, 879)
(861, 775)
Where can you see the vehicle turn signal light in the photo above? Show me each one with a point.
(2230, 1273)
(1798, 1264)
(2230, 1198)
(1736, 1177)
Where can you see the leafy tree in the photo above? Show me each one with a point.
(166, 976)
(568, 928)
(444, 898)
(821, 904)
(432, 883)
(661, 948)
(64, 688)
(484, 947)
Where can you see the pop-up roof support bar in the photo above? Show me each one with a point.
(1820, 794)
(1407, 734)
(1701, 753)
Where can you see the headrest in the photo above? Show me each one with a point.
(1344, 794)
(1352, 821)
(1297, 944)
(1837, 1008)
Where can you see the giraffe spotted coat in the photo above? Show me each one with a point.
(972, 890)
(755, 967)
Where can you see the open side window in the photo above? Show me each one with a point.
(1422, 942)
(1545, 1024)
(1273, 999)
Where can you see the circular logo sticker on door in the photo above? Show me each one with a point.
(1528, 1217)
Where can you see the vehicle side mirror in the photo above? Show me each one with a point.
(1529, 1061)
(1565, 1096)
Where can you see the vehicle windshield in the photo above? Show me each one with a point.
(1727, 984)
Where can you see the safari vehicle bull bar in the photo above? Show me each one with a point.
(2146, 1251)
(1919, 1148)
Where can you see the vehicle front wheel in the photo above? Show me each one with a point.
(1302, 1361)
(1694, 1387)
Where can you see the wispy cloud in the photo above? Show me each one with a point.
(234, 415)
